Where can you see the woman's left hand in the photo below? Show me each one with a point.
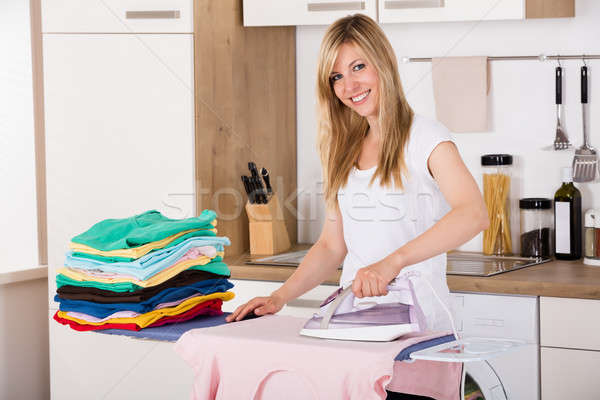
(373, 279)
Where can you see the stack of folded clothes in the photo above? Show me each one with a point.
(143, 271)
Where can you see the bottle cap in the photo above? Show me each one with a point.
(591, 218)
(535, 203)
(567, 174)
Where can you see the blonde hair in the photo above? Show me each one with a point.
(342, 130)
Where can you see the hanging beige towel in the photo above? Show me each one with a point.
(460, 86)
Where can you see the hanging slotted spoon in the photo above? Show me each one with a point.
(585, 163)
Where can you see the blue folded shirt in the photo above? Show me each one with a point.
(152, 263)
(102, 310)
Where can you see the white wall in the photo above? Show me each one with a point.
(24, 360)
(17, 158)
(521, 100)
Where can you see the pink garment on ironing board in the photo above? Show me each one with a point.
(266, 358)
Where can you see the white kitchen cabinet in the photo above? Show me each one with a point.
(119, 122)
(324, 12)
(92, 365)
(119, 131)
(391, 11)
(569, 374)
(570, 323)
(117, 16)
(303, 12)
(570, 352)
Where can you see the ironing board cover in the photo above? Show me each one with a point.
(172, 332)
(264, 357)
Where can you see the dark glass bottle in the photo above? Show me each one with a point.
(567, 219)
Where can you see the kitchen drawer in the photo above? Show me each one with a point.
(117, 16)
(570, 323)
(392, 11)
(303, 12)
(569, 374)
(304, 306)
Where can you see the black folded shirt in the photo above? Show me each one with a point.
(184, 278)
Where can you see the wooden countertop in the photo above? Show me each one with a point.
(554, 279)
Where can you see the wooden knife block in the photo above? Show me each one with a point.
(268, 234)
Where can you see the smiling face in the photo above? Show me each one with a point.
(355, 81)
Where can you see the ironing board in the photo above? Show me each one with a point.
(443, 348)
(172, 333)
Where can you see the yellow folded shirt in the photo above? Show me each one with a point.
(135, 252)
(157, 279)
(148, 318)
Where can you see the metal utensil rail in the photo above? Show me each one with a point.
(541, 57)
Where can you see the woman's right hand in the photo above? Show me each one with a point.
(260, 306)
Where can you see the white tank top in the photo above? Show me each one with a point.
(377, 221)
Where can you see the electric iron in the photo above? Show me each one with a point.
(338, 318)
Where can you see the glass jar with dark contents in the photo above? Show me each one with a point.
(536, 227)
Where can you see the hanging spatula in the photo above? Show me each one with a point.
(585, 163)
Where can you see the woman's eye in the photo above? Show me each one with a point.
(358, 67)
(336, 77)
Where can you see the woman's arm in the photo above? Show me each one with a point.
(466, 219)
(322, 260)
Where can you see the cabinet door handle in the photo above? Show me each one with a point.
(399, 4)
(306, 303)
(326, 6)
(158, 14)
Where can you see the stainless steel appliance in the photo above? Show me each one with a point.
(459, 263)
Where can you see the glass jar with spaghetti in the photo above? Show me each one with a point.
(497, 170)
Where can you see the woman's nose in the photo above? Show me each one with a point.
(350, 84)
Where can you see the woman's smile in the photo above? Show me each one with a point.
(361, 98)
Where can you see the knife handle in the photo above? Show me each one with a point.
(252, 168)
(248, 189)
(258, 191)
(267, 179)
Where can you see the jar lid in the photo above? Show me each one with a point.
(496, 159)
(535, 203)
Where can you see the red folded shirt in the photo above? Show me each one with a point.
(210, 307)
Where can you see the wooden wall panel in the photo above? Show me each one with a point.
(550, 8)
(39, 128)
(245, 111)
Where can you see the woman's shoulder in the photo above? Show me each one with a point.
(427, 126)
(426, 132)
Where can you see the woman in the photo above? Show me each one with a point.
(398, 194)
